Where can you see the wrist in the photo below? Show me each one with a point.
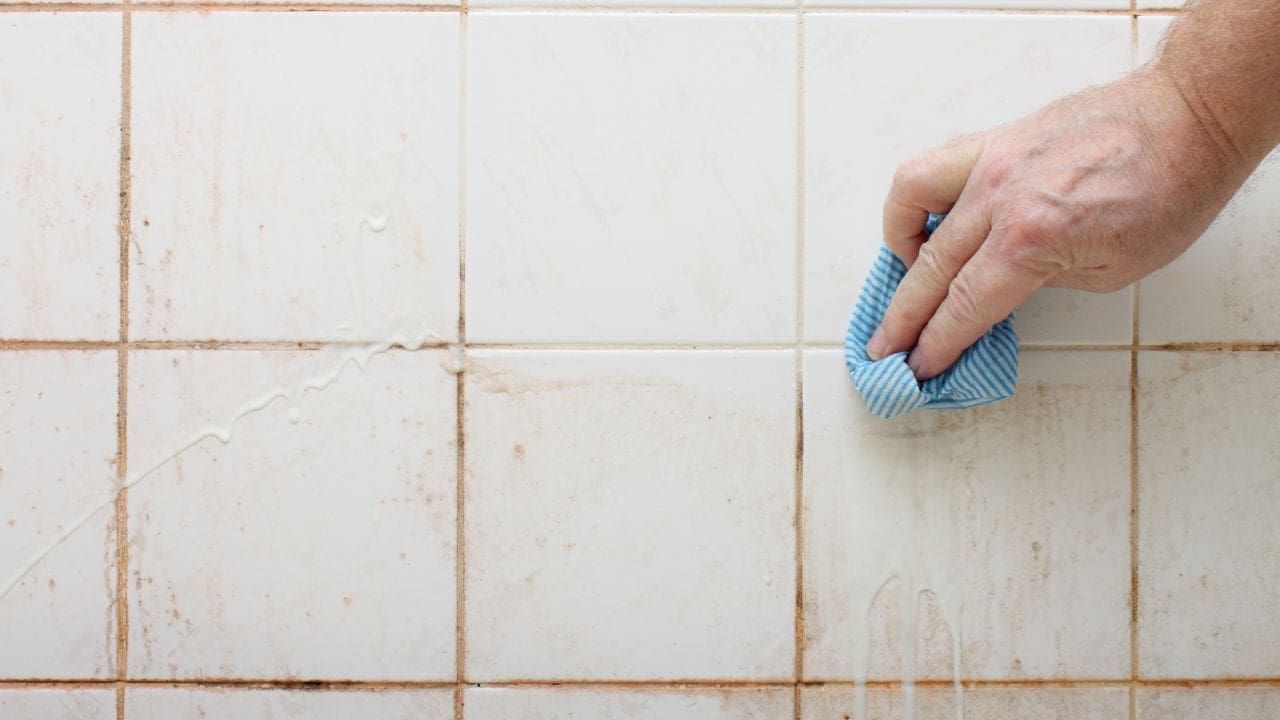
(1240, 125)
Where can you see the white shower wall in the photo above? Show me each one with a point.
(484, 362)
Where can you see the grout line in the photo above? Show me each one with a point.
(122, 358)
(571, 684)
(17, 345)
(206, 7)
(203, 7)
(258, 344)
(799, 621)
(1134, 500)
(460, 513)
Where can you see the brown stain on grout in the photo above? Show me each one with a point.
(205, 7)
(460, 489)
(122, 358)
(799, 520)
(1135, 339)
(18, 345)
(656, 685)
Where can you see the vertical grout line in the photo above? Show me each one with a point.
(460, 537)
(122, 360)
(799, 358)
(1134, 337)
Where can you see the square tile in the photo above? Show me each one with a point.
(1219, 703)
(999, 534)
(629, 704)
(294, 175)
(934, 703)
(866, 111)
(237, 704)
(1222, 289)
(621, 505)
(631, 178)
(319, 542)
(53, 704)
(60, 176)
(1209, 503)
(57, 463)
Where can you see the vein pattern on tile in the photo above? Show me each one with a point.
(866, 111)
(317, 543)
(1012, 522)
(1210, 480)
(57, 458)
(629, 515)
(631, 178)
(295, 175)
(59, 176)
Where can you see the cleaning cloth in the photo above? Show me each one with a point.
(985, 373)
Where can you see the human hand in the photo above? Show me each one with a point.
(1091, 192)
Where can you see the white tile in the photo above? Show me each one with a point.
(1015, 517)
(1219, 290)
(1151, 30)
(629, 515)
(1222, 703)
(60, 176)
(57, 463)
(1161, 5)
(1208, 507)
(323, 548)
(237, 704)
(985, 703)
(295, 175)
(629, 704)
(866, 111)
(51, 704)
(631, 177)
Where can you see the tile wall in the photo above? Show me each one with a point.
(483, 362)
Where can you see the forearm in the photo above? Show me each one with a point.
(1224, 59)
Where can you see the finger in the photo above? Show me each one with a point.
(929, 183)
(925, 284)
(988, 288)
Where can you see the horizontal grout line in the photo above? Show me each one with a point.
(56, 7)
(207, 7)
(204, 7)
(683, 684)
(21, 345)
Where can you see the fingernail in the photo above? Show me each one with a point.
(875, 347)
(914, 361)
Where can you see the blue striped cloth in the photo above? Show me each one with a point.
(985, 373)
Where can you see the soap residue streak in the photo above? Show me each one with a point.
(922, 565)
(359, 356)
